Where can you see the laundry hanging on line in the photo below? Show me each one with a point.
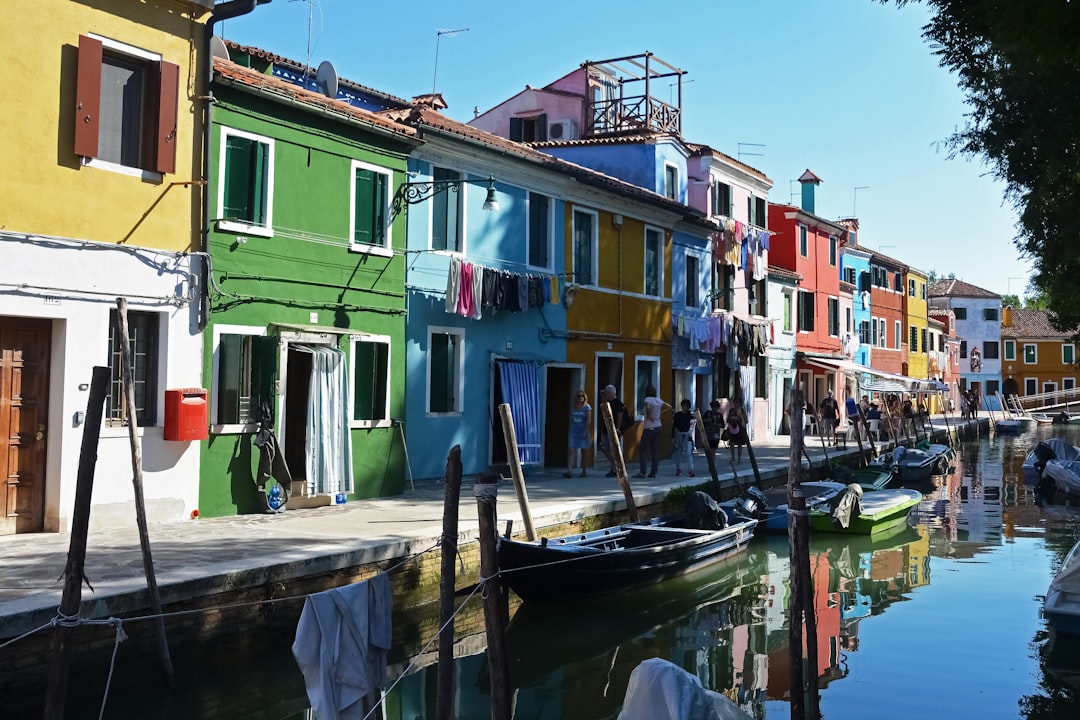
(472, 288)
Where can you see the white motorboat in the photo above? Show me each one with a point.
(1062, 605)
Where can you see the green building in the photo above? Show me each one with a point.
(306, 319)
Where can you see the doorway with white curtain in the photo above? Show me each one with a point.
(315, 426)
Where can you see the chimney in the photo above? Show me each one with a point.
(809, 182)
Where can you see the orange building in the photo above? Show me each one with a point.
(1036, 357)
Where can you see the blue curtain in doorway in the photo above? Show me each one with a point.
(521, 391)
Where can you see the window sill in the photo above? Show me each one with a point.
(234, 429)
(379, 250)
(454, 414)
(370, 424)
(244, 229)
(118, 431)
(145, 175)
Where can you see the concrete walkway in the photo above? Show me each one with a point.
(206, 556)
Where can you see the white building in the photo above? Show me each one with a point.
(978, 327)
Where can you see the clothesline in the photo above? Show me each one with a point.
(471, 288)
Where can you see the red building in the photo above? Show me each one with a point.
(887, 324)
(809, 245)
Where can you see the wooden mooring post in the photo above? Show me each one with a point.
(136, 479)
(444, 696)
(620, 464)
(803, 670)
(517, 475)
(80, 528)
(495, 606)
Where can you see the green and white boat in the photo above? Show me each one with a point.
(853, 512)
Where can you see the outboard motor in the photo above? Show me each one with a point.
(751, 504)
(846, 505)
(1061, 418)
(1043, 454)
(702, 512)
(898, 455)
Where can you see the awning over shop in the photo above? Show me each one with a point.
(880, 381)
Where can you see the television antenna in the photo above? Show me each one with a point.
(748, 152)
(307, 60)
(438, 39)
(856, 200)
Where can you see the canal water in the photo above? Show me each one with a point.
(940, 619)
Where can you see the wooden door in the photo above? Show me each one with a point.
(24, 409)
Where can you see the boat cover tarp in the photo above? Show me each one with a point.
(847, 505)
(1063, 595)
(661, 690)
(1066, 475)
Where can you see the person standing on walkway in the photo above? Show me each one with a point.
(735, 431)
(682, 423)
(714, 424)
(829, 410)
(618, 412)
(580, 434)
(648, 450)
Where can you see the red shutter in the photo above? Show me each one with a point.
(165, 132)
(87, 97)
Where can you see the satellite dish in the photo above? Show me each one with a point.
(326, 78)
(218, 49)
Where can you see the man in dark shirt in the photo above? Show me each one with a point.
(828, 409)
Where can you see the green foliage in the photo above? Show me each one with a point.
(1018, 64)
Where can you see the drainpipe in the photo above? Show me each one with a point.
(221, 11)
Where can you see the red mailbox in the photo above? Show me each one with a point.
(186, 414)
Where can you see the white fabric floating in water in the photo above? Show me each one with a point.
(661, 690)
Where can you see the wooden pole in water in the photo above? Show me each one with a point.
(495, 620)
(516, 473)
(798, 552)
(620, 465)
(136, 479)
(444, 694)
(80, 527)
(710, 454)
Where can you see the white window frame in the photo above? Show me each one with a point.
(788, 321)
(1048, 386)
(1008, 352)
(687, 257)
(1072, 349)
(549, 240)
(383, 340)
(460, 194)
(240, 227)
(660, 239)
(804, 241)
(1033, 383)
(1035, 347)
(1068, 383)
(386, 248)
(146, 56)
(459, 371)
(594, 242)
(672, 193)
(219, 330)
(654, 378)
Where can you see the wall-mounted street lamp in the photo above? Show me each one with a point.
(410, 193)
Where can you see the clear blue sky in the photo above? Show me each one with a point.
(846, 88)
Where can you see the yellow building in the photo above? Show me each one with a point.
(1037, 358)
(918, 325)
(101, 188)
(619, 310)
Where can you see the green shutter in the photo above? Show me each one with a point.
(364, 202)
(369, 380)
(516, 132)
(264, 358)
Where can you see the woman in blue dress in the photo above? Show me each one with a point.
(580, 435)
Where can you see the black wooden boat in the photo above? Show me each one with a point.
(568, 568)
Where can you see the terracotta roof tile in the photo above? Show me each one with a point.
(231, 72)
(422, 117)
(1032, 324)
(953, 287)
(299, 68)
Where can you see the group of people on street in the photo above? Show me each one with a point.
(718, 427)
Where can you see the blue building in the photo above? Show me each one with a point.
(855, 270)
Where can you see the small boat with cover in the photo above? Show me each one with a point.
(853, 512)
(1051, 449)
(916, 465)
(603, 561)
(771, 506)
(1062, 605)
